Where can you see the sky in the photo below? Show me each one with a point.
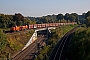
(38, 8)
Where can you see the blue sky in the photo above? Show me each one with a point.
(43, 7)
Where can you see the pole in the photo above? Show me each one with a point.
(63, 28)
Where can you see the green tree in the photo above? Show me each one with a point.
(60, 16)
(88, 21)
(18, 17)
(87, 14)
(3, 40)
(63, 21)
(19, 23)
(72, 18)
(11, 24)
(3, 21)
(79, 47)
(66, 17)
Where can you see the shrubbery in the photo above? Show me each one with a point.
(11, 43)
(3, 40)
(3, 43)
(56, 35)
(79, 49)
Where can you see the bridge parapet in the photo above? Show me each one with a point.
(34, 36)
(31, 40)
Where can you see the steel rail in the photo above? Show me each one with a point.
(17, 57)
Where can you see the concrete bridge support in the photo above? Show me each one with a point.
(35, 35)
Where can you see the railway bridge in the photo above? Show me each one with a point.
(30, 49)
(37, 32)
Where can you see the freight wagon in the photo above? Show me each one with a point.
(34, 26)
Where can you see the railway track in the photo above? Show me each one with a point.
(28, 53)
(60, 51)
(32, 54)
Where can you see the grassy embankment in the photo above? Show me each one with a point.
(79, 48)
(56, 35)
(14, 42)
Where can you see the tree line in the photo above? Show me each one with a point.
(73, 17)
(87, 17)
(7, 21)
(79, 47)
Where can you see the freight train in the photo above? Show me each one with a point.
(34, 26)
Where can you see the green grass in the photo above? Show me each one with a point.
(15, 42)
(68, 28)
(57, 34)
(79, 48)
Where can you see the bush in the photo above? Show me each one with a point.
(79, 49)
(3, 40)
(56, 35)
